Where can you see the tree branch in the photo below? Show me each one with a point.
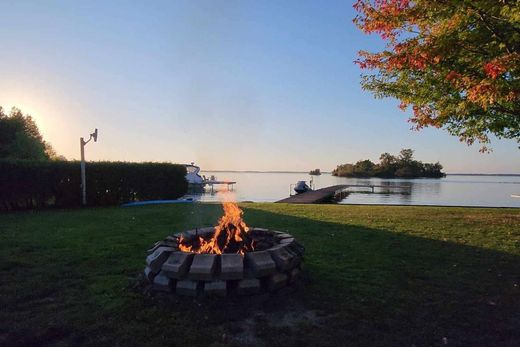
(493, 31)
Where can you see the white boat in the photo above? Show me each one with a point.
(196, 181)
(192, 175)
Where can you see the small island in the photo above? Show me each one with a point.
(390, 166)
(315, 172)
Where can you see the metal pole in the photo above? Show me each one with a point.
(83, 177)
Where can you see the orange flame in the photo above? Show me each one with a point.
(230, 235)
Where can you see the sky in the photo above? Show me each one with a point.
(230, 85)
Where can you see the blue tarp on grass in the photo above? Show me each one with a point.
(157, 202)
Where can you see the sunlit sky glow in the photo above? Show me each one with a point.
(239, 85)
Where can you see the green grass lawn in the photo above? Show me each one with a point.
(374, 275)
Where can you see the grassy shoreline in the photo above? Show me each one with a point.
(377, 275)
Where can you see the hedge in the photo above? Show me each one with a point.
(28, 184)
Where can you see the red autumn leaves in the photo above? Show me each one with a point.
(494, 69)
(463, 50)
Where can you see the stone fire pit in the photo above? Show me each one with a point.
(274, 264)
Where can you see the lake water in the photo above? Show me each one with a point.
(453, 190)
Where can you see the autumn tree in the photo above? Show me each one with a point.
(456, 63)
(20, 138)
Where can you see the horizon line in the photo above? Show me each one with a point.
(329, 172)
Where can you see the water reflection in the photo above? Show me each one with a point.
(451, 190)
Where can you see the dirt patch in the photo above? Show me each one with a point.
(288, 320)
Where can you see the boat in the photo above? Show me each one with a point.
(301, 187)
(197, 182)
(515, 195)
(192, 175)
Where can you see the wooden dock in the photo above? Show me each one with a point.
(212, 183)
(328, 193)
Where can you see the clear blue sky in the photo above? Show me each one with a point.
(265, 85)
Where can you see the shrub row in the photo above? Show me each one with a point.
(32, 184)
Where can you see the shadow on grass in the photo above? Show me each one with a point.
(385, 287)
(363, 286)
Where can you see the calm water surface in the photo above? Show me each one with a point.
(453, 190)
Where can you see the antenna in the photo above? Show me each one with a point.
(94, 135)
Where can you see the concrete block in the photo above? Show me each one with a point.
(205, 231)
(173, 244)
(203, 267)
(260, 232)
(177, 264)
(162, 283)
(281, 257)
(296, 259)
(286, 241)
(149, 274)
(217, 288)
(248, 286)
(154, 247)
(191, 232)
(231, 266)
(159, 244)
(186, 287)
(296, 248)
(188, 235)
(295, 274)
(158, 257)
(171, 239)
(283, 236)
(260, 263)
(277, 281)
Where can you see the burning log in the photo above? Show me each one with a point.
(231, 235)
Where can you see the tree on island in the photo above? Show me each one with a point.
(315, 172)
(389, 166)
(456, 63)
(20, 138)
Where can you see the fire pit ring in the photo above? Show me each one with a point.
(274, 264)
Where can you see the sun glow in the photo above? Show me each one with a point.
(36, 109)
(47, 116)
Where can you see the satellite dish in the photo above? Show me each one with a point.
(94, 135)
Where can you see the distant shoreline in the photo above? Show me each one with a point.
(476, 174)
(328, 172)
(257, 171)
